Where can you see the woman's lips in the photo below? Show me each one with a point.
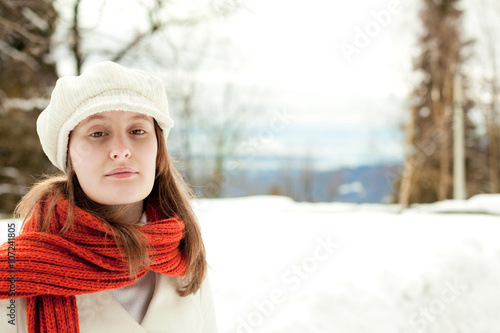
(122, 173)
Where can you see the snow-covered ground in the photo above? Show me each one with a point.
(281, 266)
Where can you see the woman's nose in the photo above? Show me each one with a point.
(120, 149)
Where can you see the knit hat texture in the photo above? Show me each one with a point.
(106, 86)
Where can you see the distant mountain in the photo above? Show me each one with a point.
(364, 184)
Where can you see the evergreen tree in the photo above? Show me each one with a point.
(27, 75)
(427, 172)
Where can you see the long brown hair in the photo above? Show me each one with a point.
(170, 196)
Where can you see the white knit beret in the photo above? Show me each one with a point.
(105, 87)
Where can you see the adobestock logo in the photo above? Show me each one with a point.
(363, 37)
(421, 318)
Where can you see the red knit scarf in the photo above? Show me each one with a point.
(51, 269)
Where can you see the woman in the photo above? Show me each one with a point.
(113, 245)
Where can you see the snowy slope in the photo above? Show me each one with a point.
(387, 272)
(280, 266)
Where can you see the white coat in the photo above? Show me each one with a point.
(101, 313)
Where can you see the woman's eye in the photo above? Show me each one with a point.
(138, 131)
(97, 134)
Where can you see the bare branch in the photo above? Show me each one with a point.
(34, 19)
(155, 25)
(19, 30)
(123, 52)
(19, 56)
(75, 46)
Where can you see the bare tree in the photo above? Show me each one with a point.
(161, 17)
(307, 177)
(227, 124)
(179, 41)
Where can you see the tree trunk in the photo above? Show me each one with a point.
(408, 165)
(493, 138)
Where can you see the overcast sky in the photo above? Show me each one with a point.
(341, 68)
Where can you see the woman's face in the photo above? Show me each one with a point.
(113, 154)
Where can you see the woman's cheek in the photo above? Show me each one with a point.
(81, 150)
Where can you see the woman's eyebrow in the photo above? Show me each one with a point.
(101, 117)
(141, 117)
(91, 118)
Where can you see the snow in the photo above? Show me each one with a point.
(354, 187)
(479, 204)
(281, 266)
(389, 270)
